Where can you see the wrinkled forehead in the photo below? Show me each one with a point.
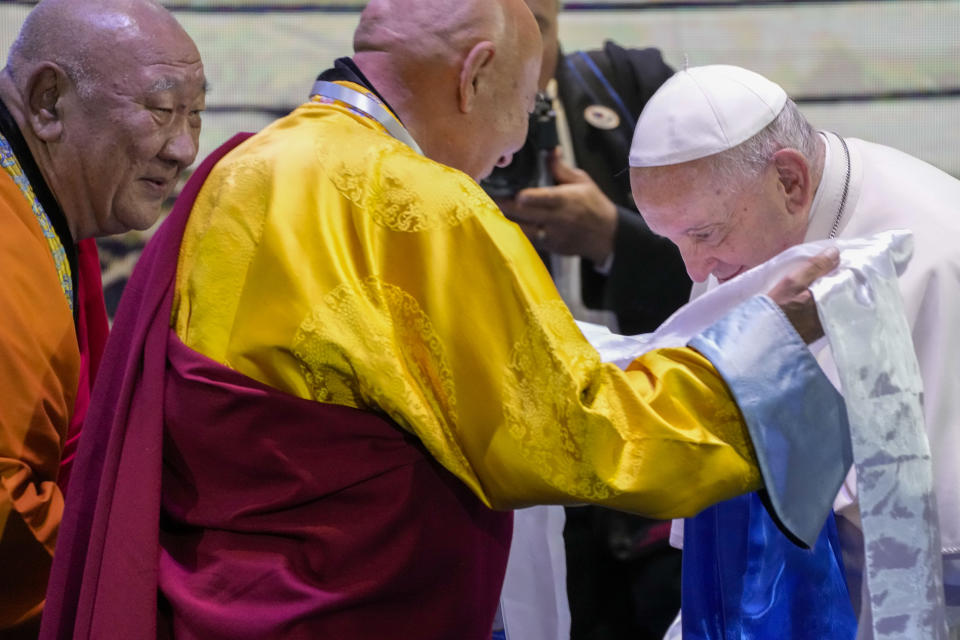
(142, 38)
(677, 195)
(666, 183)
(156, 60)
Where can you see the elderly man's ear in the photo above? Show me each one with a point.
(473, 74)
(44, 96)
(793, 171)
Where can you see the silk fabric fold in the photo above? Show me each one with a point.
(744, 580)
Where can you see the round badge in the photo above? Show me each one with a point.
(601, 117)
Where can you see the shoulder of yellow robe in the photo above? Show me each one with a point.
(279, 181)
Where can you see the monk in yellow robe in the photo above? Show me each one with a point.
(337, 363)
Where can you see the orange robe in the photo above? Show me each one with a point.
(40, 369)
(41, 372)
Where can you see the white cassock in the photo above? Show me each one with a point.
(881, 189)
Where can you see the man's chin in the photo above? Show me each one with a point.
(140, 219)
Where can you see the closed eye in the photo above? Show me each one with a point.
(162, 114)
(712, 233)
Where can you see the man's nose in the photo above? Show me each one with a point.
(182, 145)
(699, 267)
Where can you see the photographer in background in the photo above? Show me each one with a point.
(602, 255)
(623, 578)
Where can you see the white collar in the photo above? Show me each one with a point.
(832, 203)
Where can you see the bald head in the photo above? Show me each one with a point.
(78, 36)
(461, 74)
(107, 95)
(428, 31)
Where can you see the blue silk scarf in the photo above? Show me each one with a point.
(744, 580)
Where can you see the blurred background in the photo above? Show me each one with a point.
(884, 70)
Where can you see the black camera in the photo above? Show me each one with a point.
(530, 166)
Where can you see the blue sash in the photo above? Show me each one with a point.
(744, 580)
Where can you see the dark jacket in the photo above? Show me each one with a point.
(647, 280)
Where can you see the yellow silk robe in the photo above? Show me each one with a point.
(328, 260)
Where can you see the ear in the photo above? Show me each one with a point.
(475, 67)
(793, 171)
(43, 97)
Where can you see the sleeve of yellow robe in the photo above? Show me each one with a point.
(330, 261)
(39, 365)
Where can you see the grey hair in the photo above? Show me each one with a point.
(747, 161)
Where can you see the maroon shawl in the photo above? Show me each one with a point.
(278, 517)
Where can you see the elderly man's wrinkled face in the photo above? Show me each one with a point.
(135, 129)
(720, 231)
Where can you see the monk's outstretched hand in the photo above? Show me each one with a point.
(793, 295)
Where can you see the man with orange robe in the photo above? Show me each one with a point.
(87, 147)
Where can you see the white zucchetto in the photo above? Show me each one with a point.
(701, 111)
